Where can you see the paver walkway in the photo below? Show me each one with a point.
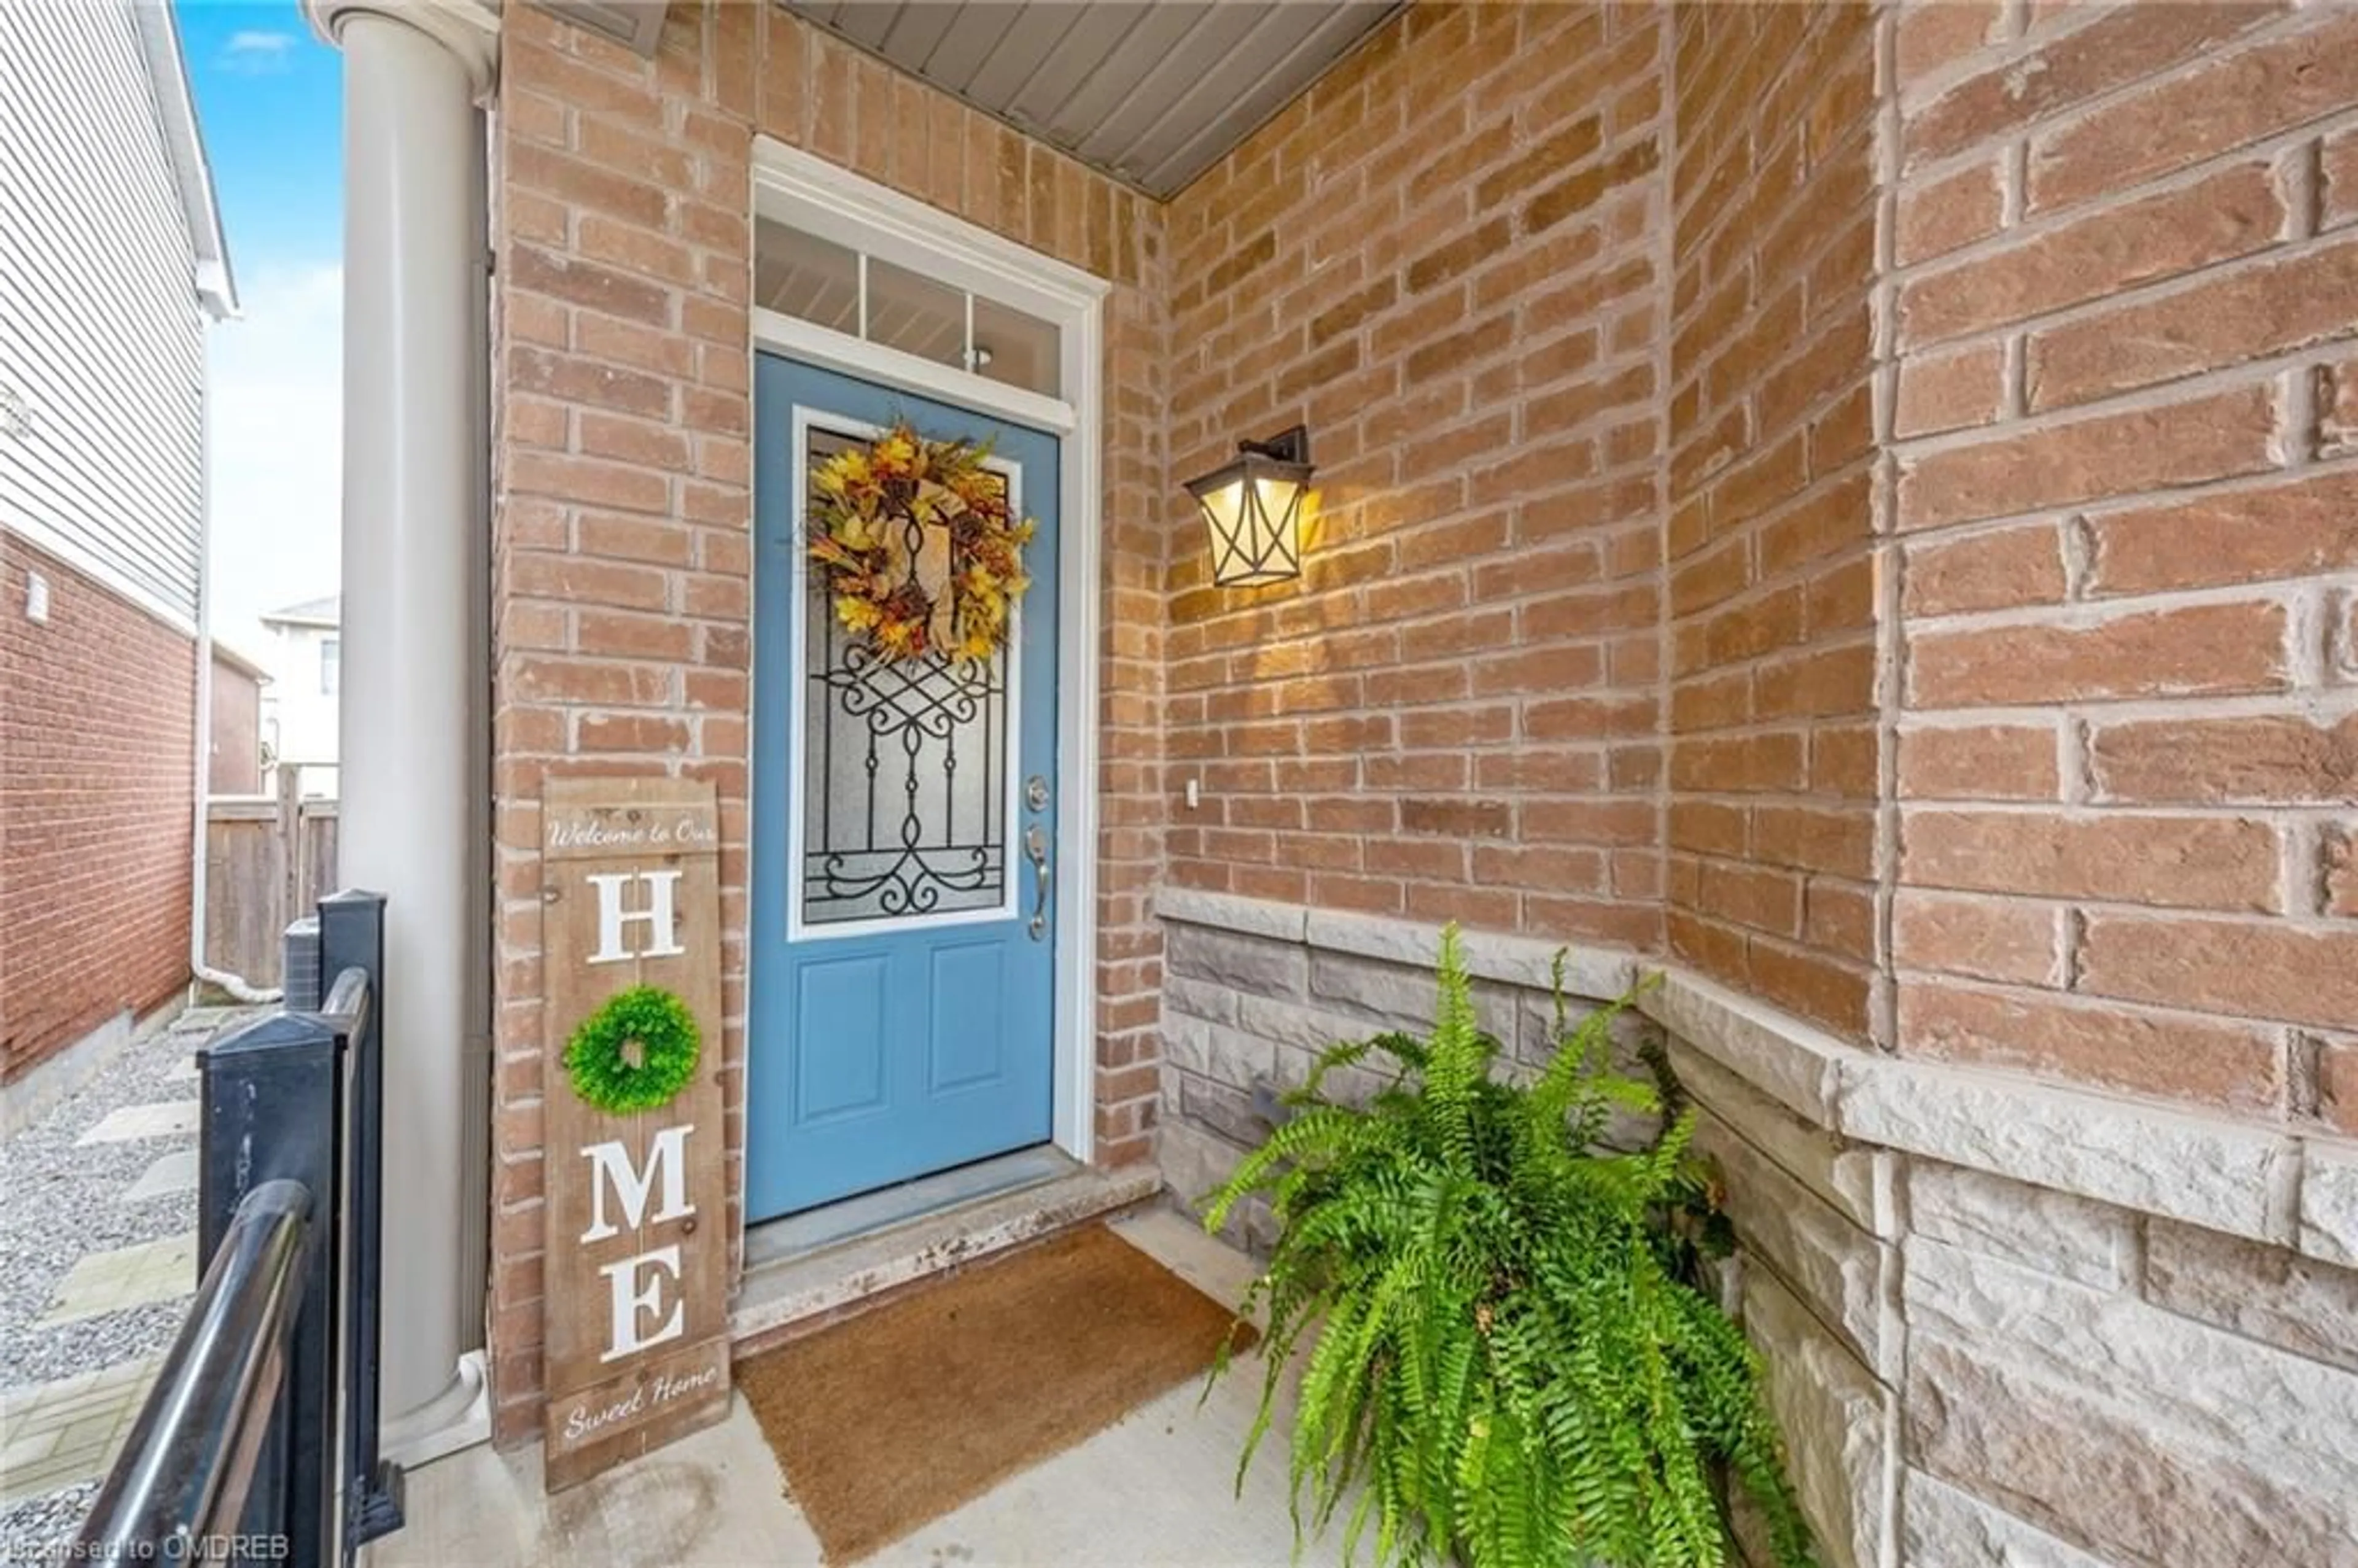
(98, 1259)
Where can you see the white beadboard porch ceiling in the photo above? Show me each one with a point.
(1152, 91)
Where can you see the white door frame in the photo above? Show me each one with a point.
(816, 197)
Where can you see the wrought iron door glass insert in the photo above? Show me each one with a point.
(905, 768)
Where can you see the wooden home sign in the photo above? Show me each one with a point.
(637, 1268)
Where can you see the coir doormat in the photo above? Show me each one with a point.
(901, 1414)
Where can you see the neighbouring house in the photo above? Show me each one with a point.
(116, 268)
(300, 714)
(1852, 507)
(234, 739)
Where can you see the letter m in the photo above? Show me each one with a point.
(610, 1166)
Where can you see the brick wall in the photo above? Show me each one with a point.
(2037, 308)
(623, 553)
(233, 759)
(1768, 541)
(2011, 632)
(2122, 297)
(1446, 259)
(97, 803)
(1889, 549)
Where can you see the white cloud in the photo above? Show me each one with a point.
(275, 379)
(253, 51)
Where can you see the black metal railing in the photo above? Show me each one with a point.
(188, 1466)
(259, 1440)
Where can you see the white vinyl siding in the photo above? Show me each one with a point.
(102, 334)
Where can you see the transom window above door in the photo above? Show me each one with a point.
(814, 279)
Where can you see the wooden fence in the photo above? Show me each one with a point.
(267, 861)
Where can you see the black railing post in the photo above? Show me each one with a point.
(271, 1097)
(351, 939)
(263, 1423)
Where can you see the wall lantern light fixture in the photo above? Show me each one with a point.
(1253, 508)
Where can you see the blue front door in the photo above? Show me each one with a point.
(902, 1012)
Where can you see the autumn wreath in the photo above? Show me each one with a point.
(917, 546)
(635, 1052)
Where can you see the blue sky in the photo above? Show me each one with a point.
(269, 97)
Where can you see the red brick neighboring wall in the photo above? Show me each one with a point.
(623, 547)
(2123, 298)
(97, 803)
(1768, 539)
(1447, 259)
(233, 760)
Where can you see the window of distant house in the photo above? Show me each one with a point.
(330, 661)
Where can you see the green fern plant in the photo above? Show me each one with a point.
(1510, 1354)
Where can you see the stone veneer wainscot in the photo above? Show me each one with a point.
(1991, 1306)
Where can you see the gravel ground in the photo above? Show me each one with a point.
(63, 1202)
(39, 1528)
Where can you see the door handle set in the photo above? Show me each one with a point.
(1036, 846)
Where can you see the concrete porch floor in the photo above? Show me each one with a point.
(1157, 1488)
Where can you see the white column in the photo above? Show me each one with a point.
(413, 687)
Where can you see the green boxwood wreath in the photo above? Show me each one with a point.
(668, 1044)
